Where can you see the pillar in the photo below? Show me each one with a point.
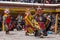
(56, 24)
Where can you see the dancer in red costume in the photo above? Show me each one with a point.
(7, 23)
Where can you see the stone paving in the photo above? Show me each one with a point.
(20, 35)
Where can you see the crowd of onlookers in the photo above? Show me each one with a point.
(18, 22)
(34, 1)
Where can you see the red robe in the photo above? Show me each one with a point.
(8, 21)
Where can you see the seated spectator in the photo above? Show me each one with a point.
(21, 0)
(47, 2)
(58, 1)
(32, 1)
(52, 1)
(27, 1)
(39, 1)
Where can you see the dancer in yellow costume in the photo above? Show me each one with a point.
(31, 23)
(28, 28)
(4, 17)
